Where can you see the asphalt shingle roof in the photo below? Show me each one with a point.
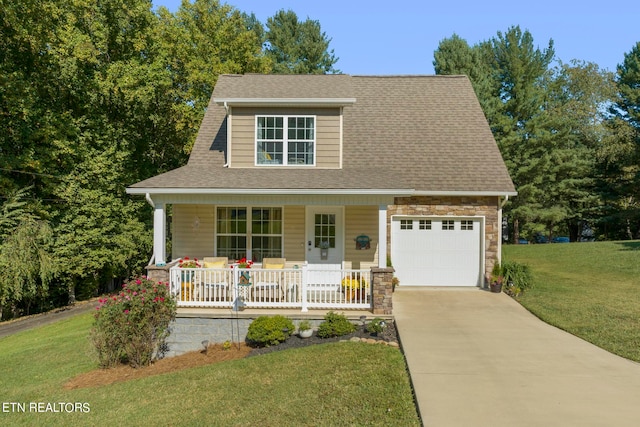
(426, 133)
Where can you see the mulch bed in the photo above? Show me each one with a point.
(215, 353)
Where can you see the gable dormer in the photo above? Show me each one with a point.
(274, 124)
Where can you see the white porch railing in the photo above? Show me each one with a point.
(304, 288)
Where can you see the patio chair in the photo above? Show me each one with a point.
(215, 284)
(269, 284)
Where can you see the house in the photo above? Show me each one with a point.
(340, 175)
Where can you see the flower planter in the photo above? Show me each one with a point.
(306, 333)
(496, 287)
(354, 294)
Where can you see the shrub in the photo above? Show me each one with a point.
(266, 331)
(335, 325)
(376, 326)
(132, 326)
(517, 277)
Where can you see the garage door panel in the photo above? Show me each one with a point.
(436, 256)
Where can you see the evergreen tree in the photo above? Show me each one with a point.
(298, 47)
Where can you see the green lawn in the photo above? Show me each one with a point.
(329, 384)
(591, 290)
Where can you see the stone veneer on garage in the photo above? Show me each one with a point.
(486, 206)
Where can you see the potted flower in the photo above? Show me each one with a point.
(496, 278)
(186, 276)
(304, 329)
(354, 287)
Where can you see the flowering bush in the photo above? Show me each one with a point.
(189, 263)
(244, 263)
(131, 326)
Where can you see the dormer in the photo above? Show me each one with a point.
(274, 124)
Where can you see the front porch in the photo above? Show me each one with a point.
(302, 287)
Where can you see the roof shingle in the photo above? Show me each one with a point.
(426, 133)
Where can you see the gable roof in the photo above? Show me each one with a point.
(408, 134)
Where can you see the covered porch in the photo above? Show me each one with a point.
(335, 248)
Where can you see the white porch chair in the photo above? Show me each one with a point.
(215, 284)
(269, 283)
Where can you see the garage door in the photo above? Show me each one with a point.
(428, 251)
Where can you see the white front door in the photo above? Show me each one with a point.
(325, 234)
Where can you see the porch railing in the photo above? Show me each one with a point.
(307, 287)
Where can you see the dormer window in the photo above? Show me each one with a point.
(285, 140)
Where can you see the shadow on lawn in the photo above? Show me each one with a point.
(630, 246)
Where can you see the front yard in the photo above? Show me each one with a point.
(329, 384)
(591, 290)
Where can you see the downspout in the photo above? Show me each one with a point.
(501, 205)
(153, 205)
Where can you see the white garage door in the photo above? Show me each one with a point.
(428, 251)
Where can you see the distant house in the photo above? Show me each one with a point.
(337, 170)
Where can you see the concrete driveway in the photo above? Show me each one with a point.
(480, 359)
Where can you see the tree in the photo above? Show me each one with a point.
(27, 265)
(520, 124)
(298, 47)
(201, 41)
(619, 158)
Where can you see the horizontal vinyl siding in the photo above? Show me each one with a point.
(294, 234)
(361, 220)
(189, 240)
(327, 134)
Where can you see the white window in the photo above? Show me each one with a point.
(466, 225)
(285, 140)
(447, 224)
(406, 224)
(254, 232)
(425, 224)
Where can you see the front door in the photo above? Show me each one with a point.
(325, 234)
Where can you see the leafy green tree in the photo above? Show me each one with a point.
(27, 265)
(298, 47)
(199, 42)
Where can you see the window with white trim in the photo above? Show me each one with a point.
(285, 140)
(466, 225)
(424, 224)
(406, 224)
(447, 224)
(252, 232)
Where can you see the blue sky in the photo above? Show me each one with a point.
(399, 37)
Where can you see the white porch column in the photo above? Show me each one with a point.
(159, 234)
(382, 236)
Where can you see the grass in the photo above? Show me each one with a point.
(330, 384)
(591, 290)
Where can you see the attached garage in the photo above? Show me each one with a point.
(437, 251)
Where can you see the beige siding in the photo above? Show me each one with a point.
(294, 234)
(191, 239)
(327, 134)
(361, 220)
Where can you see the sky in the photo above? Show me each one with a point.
(400, 36)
